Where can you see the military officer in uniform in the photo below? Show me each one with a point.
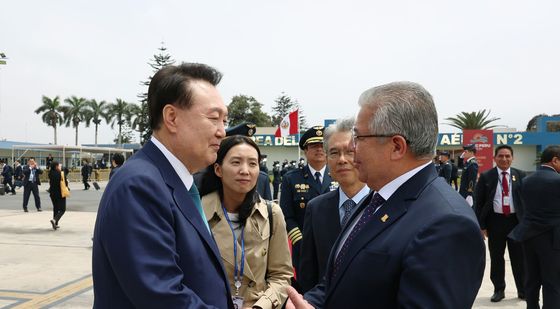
(470, 173)
(300, 185)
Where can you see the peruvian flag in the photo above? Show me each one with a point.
(289, 125)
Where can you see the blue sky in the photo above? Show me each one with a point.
(498, 55)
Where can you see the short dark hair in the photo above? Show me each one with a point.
(118, 158)
(549, 153)
(211, 182)
(172, 85)
(508, 147)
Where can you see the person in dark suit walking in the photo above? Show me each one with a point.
(454, 174)
(86, 173)
(470, 174)
(18, 174)
(326, 213)
(499, 209)
(539, 231)
(300, 185)
(152, 246)
(8, 173)
(31, 183)
(413, 242)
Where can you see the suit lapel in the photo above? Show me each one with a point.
(331, 214)
(386, 216)
(326, 181)
(181, 196)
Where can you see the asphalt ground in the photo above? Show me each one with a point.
(42, 268)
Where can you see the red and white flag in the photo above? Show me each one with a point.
(289, 125)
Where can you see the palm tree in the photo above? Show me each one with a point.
(96, 112)
(472, 121)
(118, 113)
(75, 112)
(52, 113)
(139, 120)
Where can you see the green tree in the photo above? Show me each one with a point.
(118, 113)
(125, 137)
(96, 113)
(141, 118)
(75, 111)
(244, 108)
(52, 113)
(137, 120)
(285, 105)
(472, 121)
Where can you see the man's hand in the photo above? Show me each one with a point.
(484, 234)
(296, 301)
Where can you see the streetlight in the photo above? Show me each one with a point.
(3, 60)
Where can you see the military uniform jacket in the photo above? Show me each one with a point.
(268, 266)
(468, 178)
(298, 188)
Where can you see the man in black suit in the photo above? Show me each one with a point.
(413, 242)
(326, 213)
(7, 173)
(86, 172)
(31, 183)
(499, 208)
(539, 230)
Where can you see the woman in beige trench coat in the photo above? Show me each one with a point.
(259, 266)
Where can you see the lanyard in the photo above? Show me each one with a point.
(236, 278)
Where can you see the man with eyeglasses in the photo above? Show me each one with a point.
(300, 185)
(412, 242)
(327, 213)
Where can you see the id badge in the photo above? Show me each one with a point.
(506, 201)
(237, 302)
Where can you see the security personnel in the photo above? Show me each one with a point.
(300, 185)
(470, 173)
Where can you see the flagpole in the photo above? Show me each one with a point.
(299, 137)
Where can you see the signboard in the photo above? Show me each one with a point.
(484, 142)
(271, 140)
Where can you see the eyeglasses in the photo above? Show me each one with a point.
(356, 137)
(335, 154)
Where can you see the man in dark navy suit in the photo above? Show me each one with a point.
(300, 185)
(539, 230)
(326, 213)
(499, 209)
(31, 182)
(152, 247)
(413, 242)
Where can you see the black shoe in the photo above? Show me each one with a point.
(25, 210)
(521, 295)
(39, 209)
(53, 225)
(499, 295)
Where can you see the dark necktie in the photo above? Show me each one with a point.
(505, 193)
(348, 205)
(318, 178)
(376, 201)
(196, 199)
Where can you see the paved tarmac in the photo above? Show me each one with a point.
(42, 268)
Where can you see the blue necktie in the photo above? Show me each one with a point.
(196, 199)
(348, 205)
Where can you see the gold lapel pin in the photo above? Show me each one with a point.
(513, 178)
(384, 218)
